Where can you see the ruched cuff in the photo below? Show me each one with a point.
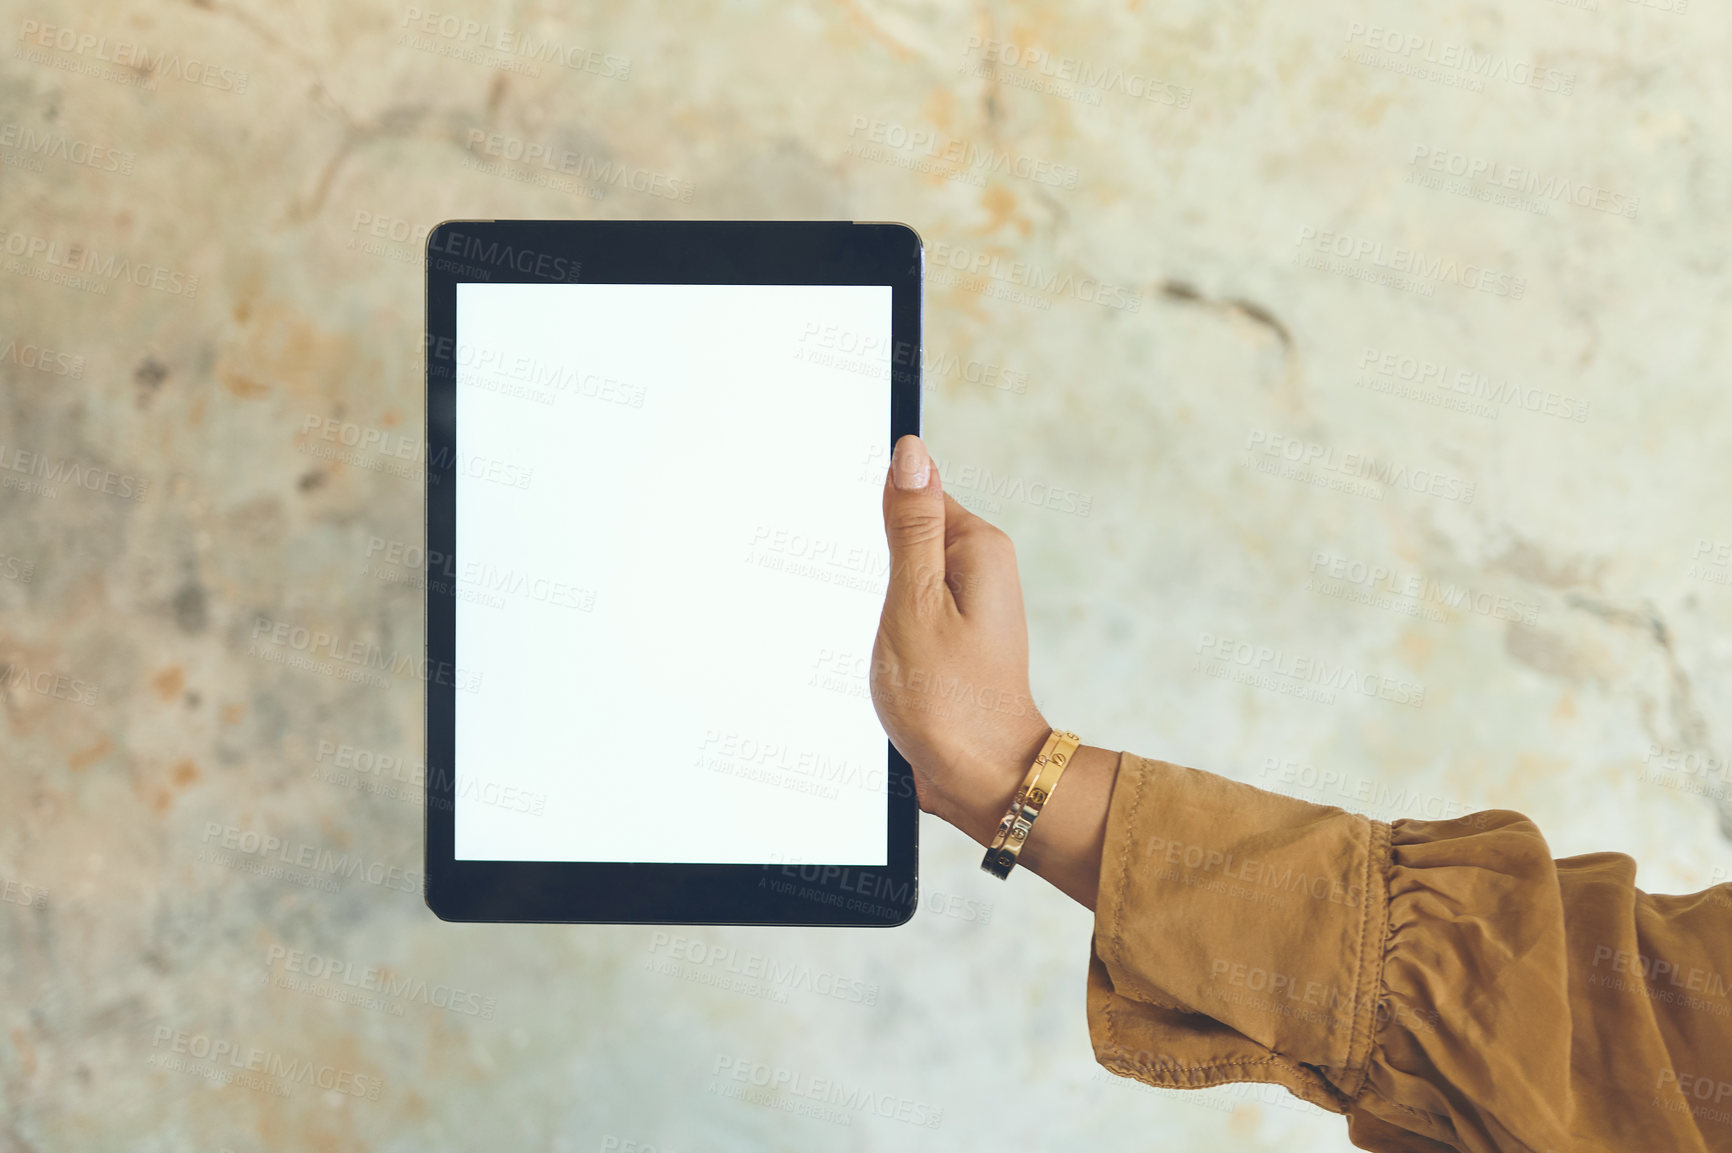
(1239, 936)
(1445, 984)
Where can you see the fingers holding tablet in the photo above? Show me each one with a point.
(914, 525)
(950, 661)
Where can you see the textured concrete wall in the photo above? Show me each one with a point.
(1176, 252)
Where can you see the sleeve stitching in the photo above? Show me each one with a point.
(1299, 1079)
(1115, 943)
(1115, 947)
(1379, 864)
(1124, 862)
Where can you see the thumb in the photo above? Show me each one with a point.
(914, 525)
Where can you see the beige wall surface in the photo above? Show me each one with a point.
(1381, 335)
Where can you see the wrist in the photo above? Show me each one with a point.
(1066, 844)
(994, 781)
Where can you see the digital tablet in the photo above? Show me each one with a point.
(655, 565)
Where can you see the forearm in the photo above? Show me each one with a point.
(1066, 842)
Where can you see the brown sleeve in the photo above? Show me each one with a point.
(1445, 984)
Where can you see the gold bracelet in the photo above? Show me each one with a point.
(1009, 820)
(1036, 789)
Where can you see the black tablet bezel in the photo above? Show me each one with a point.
(647, 252)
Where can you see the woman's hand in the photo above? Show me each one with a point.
(950, 664)
(950, 681)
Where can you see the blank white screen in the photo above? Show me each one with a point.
(671, 564)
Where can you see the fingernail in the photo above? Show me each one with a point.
(911, 465)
